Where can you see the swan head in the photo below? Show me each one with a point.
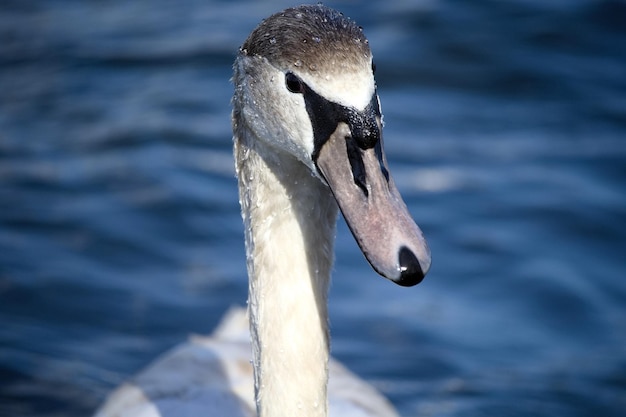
(304, 84)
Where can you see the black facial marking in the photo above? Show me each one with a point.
(325, 115)
(364, 125)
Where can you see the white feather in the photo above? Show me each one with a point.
(212, 376)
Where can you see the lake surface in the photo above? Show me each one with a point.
(120, 231)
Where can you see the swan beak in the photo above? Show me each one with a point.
(373, 208)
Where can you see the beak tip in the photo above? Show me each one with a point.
(411, 272)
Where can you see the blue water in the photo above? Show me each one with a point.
(505, 130)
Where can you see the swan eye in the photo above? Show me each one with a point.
(293, 83)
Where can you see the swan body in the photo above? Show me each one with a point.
(212, 376)
(307, 142)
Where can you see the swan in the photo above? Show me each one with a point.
(307, 130)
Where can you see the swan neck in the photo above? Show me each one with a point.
(289, 218)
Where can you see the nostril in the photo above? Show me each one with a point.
(356, 164)
(411, 272)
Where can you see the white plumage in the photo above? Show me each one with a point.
(307, 142)
(212, 376)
